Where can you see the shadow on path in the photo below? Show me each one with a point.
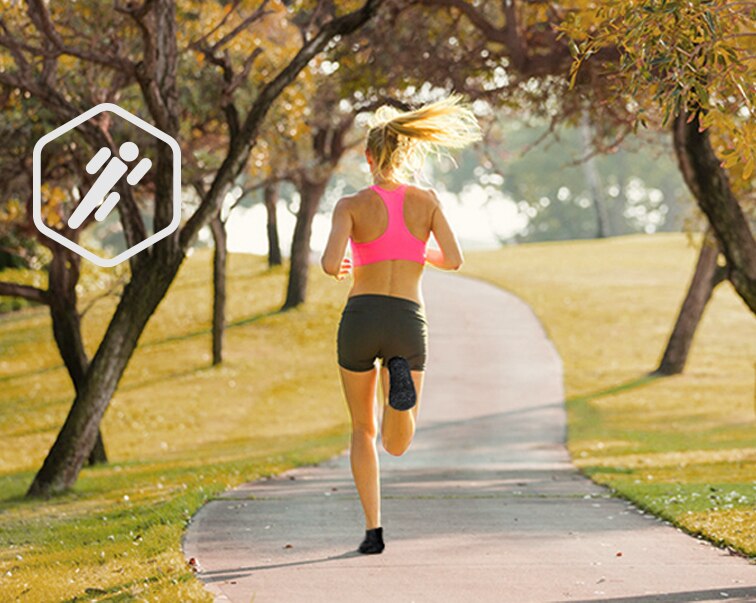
(243, 572)
(731, 594)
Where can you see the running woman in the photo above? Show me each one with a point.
(388, 225)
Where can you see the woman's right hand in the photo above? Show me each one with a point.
(434, 257)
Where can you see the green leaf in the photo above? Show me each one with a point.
(667, 111)
(709, 20)
(701, 92)
(574, 50)
(660, 60)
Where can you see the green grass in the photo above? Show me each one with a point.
(682, 447)
(178, 432)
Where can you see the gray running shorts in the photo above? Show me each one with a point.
(381, 326)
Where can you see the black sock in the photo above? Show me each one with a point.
(373, 542)
(402, 395)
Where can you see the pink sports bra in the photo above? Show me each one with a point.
(396, 242)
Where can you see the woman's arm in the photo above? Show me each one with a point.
(449, 257)
(333, 261)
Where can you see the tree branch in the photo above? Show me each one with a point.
(556, 58)
(40, 16)
(24, 291)
(200, 41)
(493, 33)
(240, 147)
(255, 16)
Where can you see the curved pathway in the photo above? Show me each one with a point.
(485, 505)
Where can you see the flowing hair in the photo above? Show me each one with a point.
(399, 141)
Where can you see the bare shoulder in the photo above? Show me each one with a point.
(425, 195)
(347, 203)
(355, 199)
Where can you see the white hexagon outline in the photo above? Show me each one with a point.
(37, 185)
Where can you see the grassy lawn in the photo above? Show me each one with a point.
(683, 447)
(177, 432)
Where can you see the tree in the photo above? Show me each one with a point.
(708, 274)
(25, 246)
(686, 66)
(691, 59)
(270, 196)
(540, 167)
(328, 145)
(266, 158)
(357, 84)
(593, 179)
(138, 46)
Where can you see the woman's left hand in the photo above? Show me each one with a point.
(346, 268)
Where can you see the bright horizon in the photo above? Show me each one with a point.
(476, 225)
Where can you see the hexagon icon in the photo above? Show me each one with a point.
(108, 203)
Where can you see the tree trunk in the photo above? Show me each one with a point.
(710, 186)
(311, 192)
(617, 222)
(218, 229)
(79, 432)
(97, 455)
(155, 270)
(705, 278)
(270, 194)
(66, 323)
(590, 170)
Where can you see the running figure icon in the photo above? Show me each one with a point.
(95, 199)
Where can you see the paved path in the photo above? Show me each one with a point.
(485, 505)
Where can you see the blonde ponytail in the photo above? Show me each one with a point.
(399, 141)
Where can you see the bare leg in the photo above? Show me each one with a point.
(398, 426)
(359, 389)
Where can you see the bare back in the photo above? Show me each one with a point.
(400, 278)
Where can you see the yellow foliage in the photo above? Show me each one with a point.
(53, 198)
(12, 210)
(676, 56)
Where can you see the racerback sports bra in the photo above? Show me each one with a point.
(396, 242)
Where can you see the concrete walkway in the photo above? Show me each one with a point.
(485, 506)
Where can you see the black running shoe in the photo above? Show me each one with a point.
(402, 395)
(373, 542)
